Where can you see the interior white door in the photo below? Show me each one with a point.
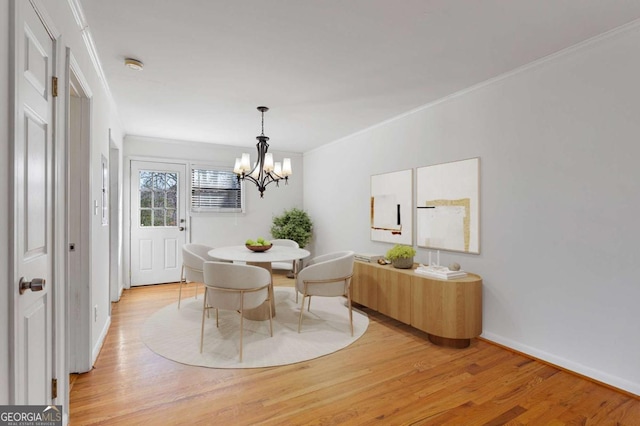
(33, 211)
(158, 221)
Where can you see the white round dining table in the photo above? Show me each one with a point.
(274, 254)
(262, 259)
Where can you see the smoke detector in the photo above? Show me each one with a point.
(134, 64)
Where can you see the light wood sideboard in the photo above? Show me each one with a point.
(449, 311)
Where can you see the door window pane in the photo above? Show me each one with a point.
(145, 199)
(146, 180)
(170, 217)
(158, 198)
(158, 217)
(172, 199)
(145, 217)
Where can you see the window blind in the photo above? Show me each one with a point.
(215, 191)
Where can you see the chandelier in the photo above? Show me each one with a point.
(264, 171)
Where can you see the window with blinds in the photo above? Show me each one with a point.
(214, 190)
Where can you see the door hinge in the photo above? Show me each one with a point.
(54, 388)
(54, 87)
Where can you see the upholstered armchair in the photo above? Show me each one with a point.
(290, 267)
(328, 275)
(235, 287)
(193, 258)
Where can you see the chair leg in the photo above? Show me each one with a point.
(208, 308)
(241, 321)
(301, 312)
(270, 318)
(204, 308)
(308, 304)
(182, 279)
(350, 312)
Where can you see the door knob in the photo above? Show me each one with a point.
(36, 284)
(181, 228)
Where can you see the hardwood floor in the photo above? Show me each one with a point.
(392, 375)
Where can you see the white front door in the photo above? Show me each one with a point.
(32, 348)
(158, 221)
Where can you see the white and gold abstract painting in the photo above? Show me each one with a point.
(448, 206)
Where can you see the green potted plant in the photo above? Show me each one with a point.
(401, 257)
(294, 224)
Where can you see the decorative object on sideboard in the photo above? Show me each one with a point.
(367, 257)
(264, 171)
(454, 266)
(401, 256)
(441, 272)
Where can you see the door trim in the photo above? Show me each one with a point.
(80, 358)
(126, 192)
(115, 221)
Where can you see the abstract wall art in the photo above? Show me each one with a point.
(448, 206)
(392, 207)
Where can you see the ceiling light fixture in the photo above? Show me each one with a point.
(134, 64)
(264, 171)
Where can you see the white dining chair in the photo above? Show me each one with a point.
(193, 258)
(328, 275)
(291, 266)
(235, 287)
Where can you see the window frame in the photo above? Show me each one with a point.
(213, 210)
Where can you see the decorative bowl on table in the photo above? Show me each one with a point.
(259, 248)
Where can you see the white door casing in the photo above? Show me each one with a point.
(115, 253)
(32, 316)
(158, 221)
(78, 217)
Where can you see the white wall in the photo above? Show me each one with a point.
(558, 143)
(5, 288)
(219, 229)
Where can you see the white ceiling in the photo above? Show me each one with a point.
(325, 68)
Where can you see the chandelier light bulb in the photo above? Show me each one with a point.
(268, 162)
(286, 167)
(236, 167)
(245, 163)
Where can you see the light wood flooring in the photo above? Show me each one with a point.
(391, 376)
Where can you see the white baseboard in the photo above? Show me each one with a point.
(100, 342)
(567, 364)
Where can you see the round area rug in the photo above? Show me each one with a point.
(175, 333)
